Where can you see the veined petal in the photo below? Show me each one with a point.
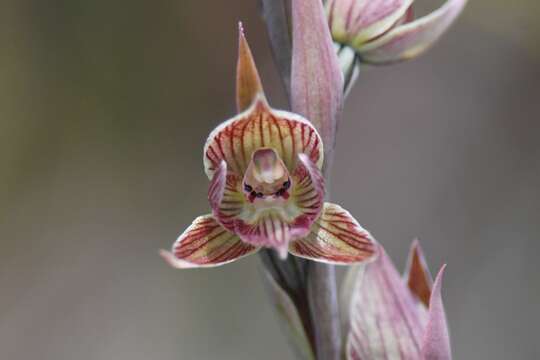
(335, 238)
(417, 274)
(248, 82)
(206, 244)
(384, 317)
(269, 229)
(261, 127)
(308, 191)
(316, 78)
(274, 224)
(411, 39)
(225, 196)
(436, 342)
(355, 22)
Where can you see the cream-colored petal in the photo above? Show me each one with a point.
(411, 39)
(259, 127)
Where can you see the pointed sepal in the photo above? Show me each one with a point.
(248, 81)
(411, 39)
(206, 244)
(417, 274)
(384, 319)
(436, 340)
(316, 78)
(335, 238)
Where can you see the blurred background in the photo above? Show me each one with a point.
(105, 107)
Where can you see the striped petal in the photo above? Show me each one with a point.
(289, 219)
(384, 322)
(261, 127)
(436, 341)
(411, 39)
(225, 196)
(417, 274)
(206, 244)
(355, 22)
(336, 238)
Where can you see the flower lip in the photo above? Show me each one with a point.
(266, 176)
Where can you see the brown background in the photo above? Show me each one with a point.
(104, 109)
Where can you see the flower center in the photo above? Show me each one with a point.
(266, 180)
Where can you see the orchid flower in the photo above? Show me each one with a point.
(395, 317)
(385, 31)
(266, 189)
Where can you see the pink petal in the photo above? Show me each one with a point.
(436, 341)
(335, 238)
(316, 78)
(417, 274)
(385, 322)
(277, 227)
(225, 196)
(206, 244)
(411, 39)
(258, 127)
(308, 190)
(271, 230)
(248, 82)
(355, 22)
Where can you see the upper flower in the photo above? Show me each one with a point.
(383, 31)
(266, 189)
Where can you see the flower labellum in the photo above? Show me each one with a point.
(389, 318)
(385, 31)
(266, 189)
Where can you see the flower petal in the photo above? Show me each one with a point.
(335, 238)
(384, 317)
(206, 244)
(276, 226)
(411, 39)
(308, 191)
(258, 127)
(436, 341)
(225, 197)
(248, 82)
(316, 78)
(269, 229)
(355, 22)
(417, 274)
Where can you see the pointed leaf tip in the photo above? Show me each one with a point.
(248, 82)
(436, 341)
(417, 273)
(316, 78)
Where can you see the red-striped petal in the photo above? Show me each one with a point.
(289, 219)
(411, 39)
(337, 238)
(261, 127)
(355, 22)
(225, 196)
(384, 318)
(206, 244)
